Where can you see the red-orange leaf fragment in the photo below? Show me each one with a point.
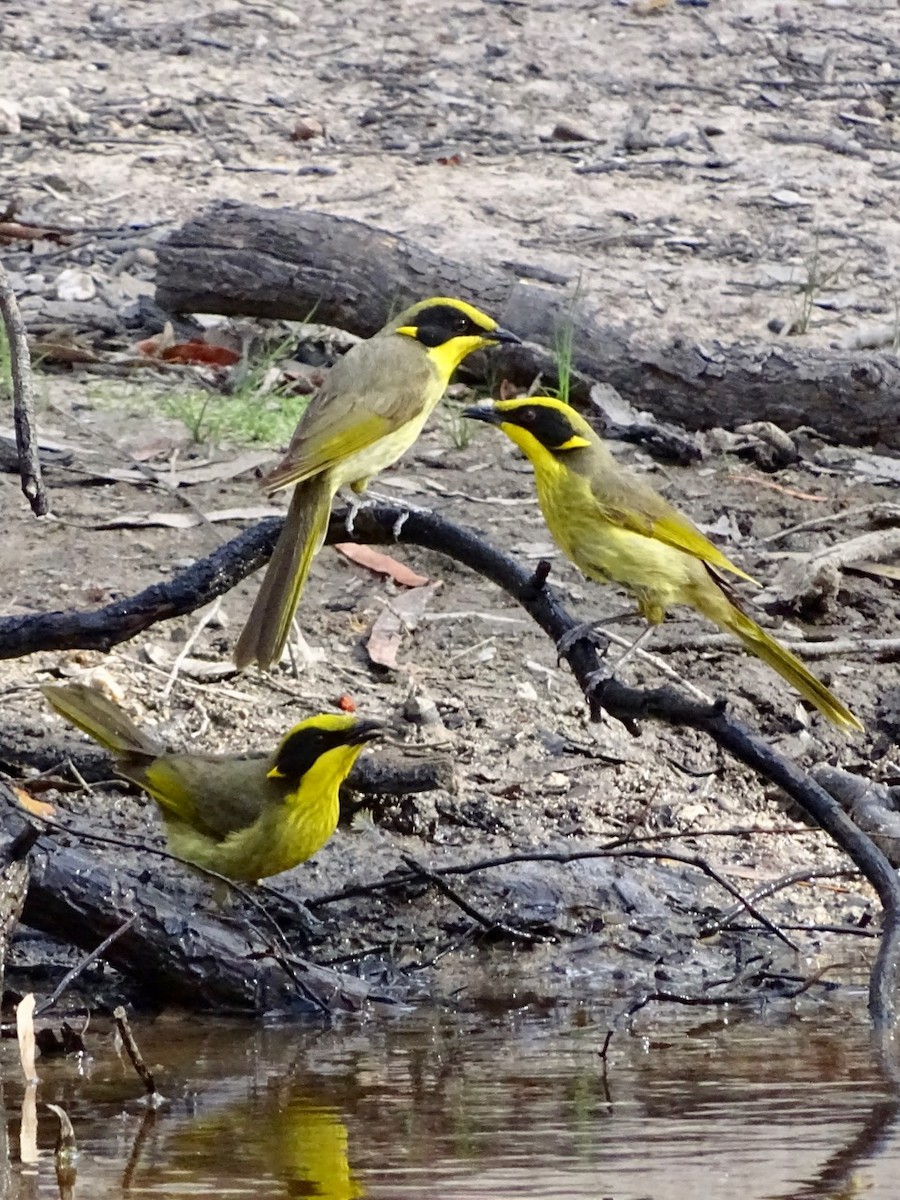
(382, 564)
(37, 808)
(196, 351)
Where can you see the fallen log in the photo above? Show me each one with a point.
(176, 953)
(14, 875)
(239, 259)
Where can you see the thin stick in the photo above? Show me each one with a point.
(736, 998)
(692, 860)
(631, 647)
(777, 885)
(153, 477)
(825, 522)
(485, 922)
(210, 615)
(154, 1099)
(72, 975)
(887, 647)
(23, 399)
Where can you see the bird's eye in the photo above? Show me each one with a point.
(526, 416)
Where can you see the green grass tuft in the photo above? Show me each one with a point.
(246, 415)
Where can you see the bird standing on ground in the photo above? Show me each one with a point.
(368, 412)
(616, 529)
(247, 816)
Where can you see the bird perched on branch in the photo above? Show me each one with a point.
(616, 529)
(368, 412)
(247, 816)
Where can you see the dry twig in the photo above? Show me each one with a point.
(23, 399)
(71, 976)
(154, 1099)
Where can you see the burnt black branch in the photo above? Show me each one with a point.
(384, 525)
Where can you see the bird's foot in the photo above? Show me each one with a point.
(585, 631)
(595, 680)
(352, 509)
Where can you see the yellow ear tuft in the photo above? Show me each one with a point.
(575, 442)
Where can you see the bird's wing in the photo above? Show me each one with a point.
(644, 511)
(370, 393)
(215, 795)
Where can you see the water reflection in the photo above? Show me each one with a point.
(290, 1139)
(476, 1107)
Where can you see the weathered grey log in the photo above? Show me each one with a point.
(240, 259)
(176, 953)
(14, 873)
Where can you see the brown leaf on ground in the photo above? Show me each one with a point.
(402, 615)
(37, 808)
(198, 352)
(382, 564)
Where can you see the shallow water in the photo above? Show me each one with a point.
(436, 1105)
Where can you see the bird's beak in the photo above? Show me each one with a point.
(483, 412)
(365, 731)
(504, 335)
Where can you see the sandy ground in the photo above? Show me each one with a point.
(742, 152)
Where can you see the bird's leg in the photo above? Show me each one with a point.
(599, 677)
(642, 637)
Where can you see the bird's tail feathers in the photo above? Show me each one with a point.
(263, 638)
(755, 639)
(100, 718)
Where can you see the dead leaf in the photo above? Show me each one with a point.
(201, 669)
(187, 520)
(197, 352)
(306, 129)
(37, 808)
(22, 231)
(877, 569)
(62, 350)
(218, 472)
(347, 704)
(382, 564)
(153, 347)
(401, 615)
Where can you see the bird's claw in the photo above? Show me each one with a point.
(350, 519)
(586, 631)
(595, 680)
